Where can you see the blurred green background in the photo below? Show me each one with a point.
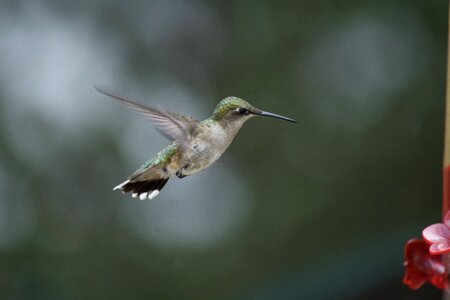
(315, 210)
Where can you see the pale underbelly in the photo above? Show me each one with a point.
(199, 161)
(200, 155)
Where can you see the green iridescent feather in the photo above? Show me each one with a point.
(227, 104)
(163, 156)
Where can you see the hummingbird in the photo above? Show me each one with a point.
(194, 146)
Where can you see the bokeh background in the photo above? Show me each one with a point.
(315, 210)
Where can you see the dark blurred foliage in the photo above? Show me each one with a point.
(317, 210)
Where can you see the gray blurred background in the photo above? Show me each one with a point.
(315, 210)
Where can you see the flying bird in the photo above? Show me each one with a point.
(194, 146)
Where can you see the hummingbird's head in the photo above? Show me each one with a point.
(236, 110)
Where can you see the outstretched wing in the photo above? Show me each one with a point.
(171, 125)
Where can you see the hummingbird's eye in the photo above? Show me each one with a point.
(243, 111)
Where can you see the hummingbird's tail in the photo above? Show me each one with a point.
(151, 177)
(142, 187)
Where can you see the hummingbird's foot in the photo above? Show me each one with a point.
(179, 173)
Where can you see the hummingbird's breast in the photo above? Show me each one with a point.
(206, 147)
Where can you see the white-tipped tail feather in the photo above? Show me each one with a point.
(142, 196)
(120, 186)
(153, 194)
(146, 189)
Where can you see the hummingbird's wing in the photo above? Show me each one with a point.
(171, 125)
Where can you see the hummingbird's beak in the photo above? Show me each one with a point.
(269, 114)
